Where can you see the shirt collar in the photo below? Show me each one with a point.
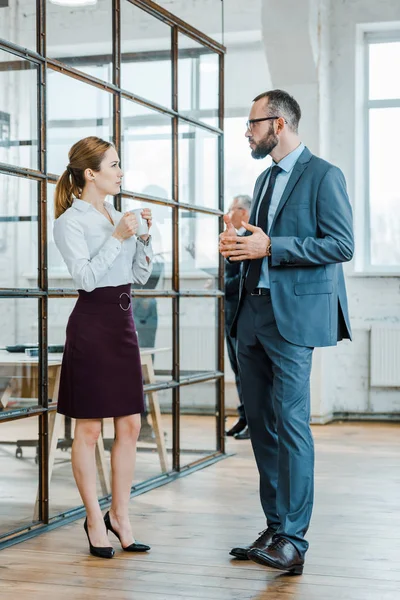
(287, 163)
(81, 205)
(84, 206)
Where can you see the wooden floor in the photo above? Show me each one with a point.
(192, 523)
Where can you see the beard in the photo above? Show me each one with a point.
(266, 145)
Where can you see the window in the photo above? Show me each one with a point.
(76, 110)
(382, 128)
(138, 76)
(241, 170)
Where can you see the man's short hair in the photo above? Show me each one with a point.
(282, 104)
(243, 201)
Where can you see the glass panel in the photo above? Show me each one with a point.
(198, 250)
(145, 55)
(19, 473)
(63, 491)
(198, 166)
(58, 276)
(153, 320)
(18, 23)
(146, 150)
(81, 36)
(384, 61)
(18, 111)
(205, 16)
(155, 456)
(198, 421)
(153, 323)
(384, 185)
(18, 353)
(58, 315)
(198, 81)
(241, 170)
(75, 110)
(161, 234)
(18, 232)
(198, 335)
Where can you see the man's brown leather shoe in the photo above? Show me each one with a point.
(280, 554)
(261, 543)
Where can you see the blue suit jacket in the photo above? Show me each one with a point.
(311, 235)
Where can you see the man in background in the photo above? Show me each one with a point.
(239, 211)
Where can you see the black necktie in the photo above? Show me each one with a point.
(254, 271)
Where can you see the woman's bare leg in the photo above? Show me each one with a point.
(86, 434)
(123, 458)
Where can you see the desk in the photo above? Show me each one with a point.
(22, 374)
(22, 371)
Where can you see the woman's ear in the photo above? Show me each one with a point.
(89, 175)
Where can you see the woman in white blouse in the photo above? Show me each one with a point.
(101, 372)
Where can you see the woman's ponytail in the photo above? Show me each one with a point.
(63, 196)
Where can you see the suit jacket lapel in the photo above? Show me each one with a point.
(256, 200)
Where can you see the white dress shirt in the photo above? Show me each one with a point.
(287, 165)
(94, 257)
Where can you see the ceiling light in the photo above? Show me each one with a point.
(74, 2)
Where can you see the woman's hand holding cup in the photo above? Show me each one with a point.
(147, 216)
(144, 219)
(127, 227)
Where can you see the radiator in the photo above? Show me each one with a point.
(385, 356)
(198, 348)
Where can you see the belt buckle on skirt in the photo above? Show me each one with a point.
(129, 300)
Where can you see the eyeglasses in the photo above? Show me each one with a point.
(250, 122)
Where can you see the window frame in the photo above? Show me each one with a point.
(368, 34)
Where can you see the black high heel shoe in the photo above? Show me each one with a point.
(99, 551)
(135, 547)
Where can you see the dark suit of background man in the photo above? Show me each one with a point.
(238, 211)
(292, 298)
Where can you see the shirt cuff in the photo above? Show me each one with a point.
(144, 252)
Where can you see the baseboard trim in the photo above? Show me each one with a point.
(315, 419)
(322, 419)
(355, 416)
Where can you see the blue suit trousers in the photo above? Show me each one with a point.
(275, 378)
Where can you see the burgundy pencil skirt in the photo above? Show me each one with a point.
(101, 374)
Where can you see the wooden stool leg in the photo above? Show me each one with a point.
(8, 392)
(102, 467)
(149, 377)
(55, 421)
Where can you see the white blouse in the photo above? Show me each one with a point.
(93, 257)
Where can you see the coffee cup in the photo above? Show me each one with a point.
(143, 228)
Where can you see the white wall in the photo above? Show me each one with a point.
(310, 47)
(371, 299)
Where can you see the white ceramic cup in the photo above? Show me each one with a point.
(143, 228)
